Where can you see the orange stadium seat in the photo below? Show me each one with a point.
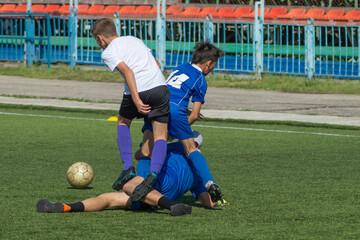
(294, 13)
(240, 12)
(127, 9)
(82, 8)
(154, 10)
(8, 8)
(333, 15)
(111, 9)
(189, 12)
(224, 12)
(142, 10)
(20, 8)
(65, 9)
(352, 15)
(37, 8)
(50, 9)
(276, 12)
(313, 13)
(96, 9)
(173, 9)
(208, 10)
(252, 14)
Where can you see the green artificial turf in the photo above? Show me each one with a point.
(282, 182)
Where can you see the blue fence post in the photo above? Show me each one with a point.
(30, 35)
(359, 50)
(161, 34)
(209, 29)
(73, 32)
(258, 40)
(117, 23)
(310, 49)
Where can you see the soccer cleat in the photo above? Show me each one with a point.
(180, 209)
(214, 191)
(45, 206)
(222, 202)
(144, 187)
(124, 177)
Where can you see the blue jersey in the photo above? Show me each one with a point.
(184, 82)
(176, 177)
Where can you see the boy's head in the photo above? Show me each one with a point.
(104, 31)
(206, 55)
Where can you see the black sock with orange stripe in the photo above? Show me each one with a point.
(74, 207)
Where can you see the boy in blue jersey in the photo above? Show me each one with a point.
(187, 82)
(174, 180)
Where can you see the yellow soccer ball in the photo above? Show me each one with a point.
(80, 175)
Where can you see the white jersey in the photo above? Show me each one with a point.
(137, 56)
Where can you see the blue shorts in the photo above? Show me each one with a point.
(178, 125)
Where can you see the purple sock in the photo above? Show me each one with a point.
(124, 144)
(158, 156)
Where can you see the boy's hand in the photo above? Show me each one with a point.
(142, 108)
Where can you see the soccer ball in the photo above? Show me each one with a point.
(80, 175)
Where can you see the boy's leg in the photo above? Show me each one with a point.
(201, 167)
(158, 156)
(154, 198)
(125, 148)
(114, 199)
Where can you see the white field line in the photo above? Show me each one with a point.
(195, 125)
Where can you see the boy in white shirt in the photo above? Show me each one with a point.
(145, 93)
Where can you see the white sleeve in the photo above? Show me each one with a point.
(111, 59)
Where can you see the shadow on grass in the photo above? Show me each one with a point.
(86, 188)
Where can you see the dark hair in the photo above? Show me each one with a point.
(205, 51)
(105, 27)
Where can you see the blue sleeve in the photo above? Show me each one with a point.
(200, 90)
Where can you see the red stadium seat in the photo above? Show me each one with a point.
(189, 12)
(142, 10)
(294, 13)
(8, 8)
(276, 12)
(96, 9)
(50, 9)
(224, 12)
(240, 12)
(333, 15)
(313, 13)
(173, 9)
(127, 10)
(252, 14)
(111, 9)
(208, 10)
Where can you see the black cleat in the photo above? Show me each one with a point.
(124, 177)
(214, 191)
(180, 209)
(144, 188)
(45, 206)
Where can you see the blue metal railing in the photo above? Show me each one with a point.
(285, 50)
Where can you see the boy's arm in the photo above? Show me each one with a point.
(195, 113)
(130, 80)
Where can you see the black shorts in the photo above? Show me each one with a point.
(157, 98)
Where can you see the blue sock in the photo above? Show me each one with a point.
(124, 144)
(158, 155)
(201, 167)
